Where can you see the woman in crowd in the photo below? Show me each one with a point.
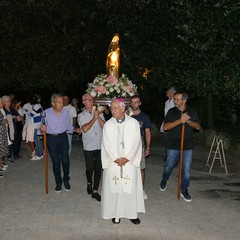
(3, 139)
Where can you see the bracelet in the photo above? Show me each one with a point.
(189, 121)
(147, 148)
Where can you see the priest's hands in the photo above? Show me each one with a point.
(121, 161)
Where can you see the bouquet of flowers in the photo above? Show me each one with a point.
(104, 86)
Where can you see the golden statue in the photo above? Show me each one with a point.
(113, 57)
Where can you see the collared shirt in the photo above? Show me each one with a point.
(173, 136)
(57, 123)
(93, 137)
(168, 105)
(72, 112)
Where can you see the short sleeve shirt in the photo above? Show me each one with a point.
(144, 122)
(92, 139)
(173, 136)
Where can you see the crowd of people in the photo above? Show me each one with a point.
(115, 140)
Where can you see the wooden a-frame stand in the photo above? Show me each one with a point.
(218, 151)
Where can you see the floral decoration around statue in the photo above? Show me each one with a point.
(104, 86)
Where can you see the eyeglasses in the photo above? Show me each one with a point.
(177, 99)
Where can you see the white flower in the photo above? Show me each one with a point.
(105, 86)
(93, 94)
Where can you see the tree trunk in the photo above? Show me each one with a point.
(210, 119)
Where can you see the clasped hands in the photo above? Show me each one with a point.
(184, 118)
(121, 161)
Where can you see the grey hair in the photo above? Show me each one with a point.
(6, 98)
(173, 89)
(122, 104)
(184, 94)
(86, 94)
(54, 96)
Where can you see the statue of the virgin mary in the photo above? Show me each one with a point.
(113, 57)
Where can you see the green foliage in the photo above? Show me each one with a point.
(62, 45)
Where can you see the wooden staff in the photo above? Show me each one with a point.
(43, 115)
(45, 160)
(180, 160)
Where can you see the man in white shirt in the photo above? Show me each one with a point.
(73, 119)
(91, 122)
(169, 103)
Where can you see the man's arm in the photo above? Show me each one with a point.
(183, 119)
(88, 125)
(101, 121)
(74, 121)
(148, 141)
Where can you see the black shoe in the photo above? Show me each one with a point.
(96, 196)
(114, 222)
(135, 221)
(163, 185)
(58, 188)
(185, 195)
(67, 186)
(89, 189)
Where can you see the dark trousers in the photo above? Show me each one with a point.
(16, 146)
(93, 167)
(58, 149)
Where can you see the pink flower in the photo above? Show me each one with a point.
(100, 89)
(112, 79)
(128, 89)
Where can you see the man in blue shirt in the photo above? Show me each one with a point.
(57, 122)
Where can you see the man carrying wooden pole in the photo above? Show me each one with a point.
(179, 125)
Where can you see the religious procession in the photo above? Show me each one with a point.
(116, 138)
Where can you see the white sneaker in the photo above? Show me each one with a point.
(4, 168)
(35, 158)
(5, 165)
(33, 154)
(145, 195)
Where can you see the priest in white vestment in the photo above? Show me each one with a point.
(122, 190)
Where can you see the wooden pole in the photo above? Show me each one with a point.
(180, 160)
(45, 160)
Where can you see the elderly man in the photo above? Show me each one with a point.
(122, 190)
(91, 122)
(57, 125)
(175, 118)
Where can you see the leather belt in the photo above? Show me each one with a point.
(56, 135)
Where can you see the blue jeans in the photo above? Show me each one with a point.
(38, 144)
(58, 149)
(172, 160)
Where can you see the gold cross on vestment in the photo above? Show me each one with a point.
(126, 178)
(115, 179)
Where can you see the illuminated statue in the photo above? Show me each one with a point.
(113, 57)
